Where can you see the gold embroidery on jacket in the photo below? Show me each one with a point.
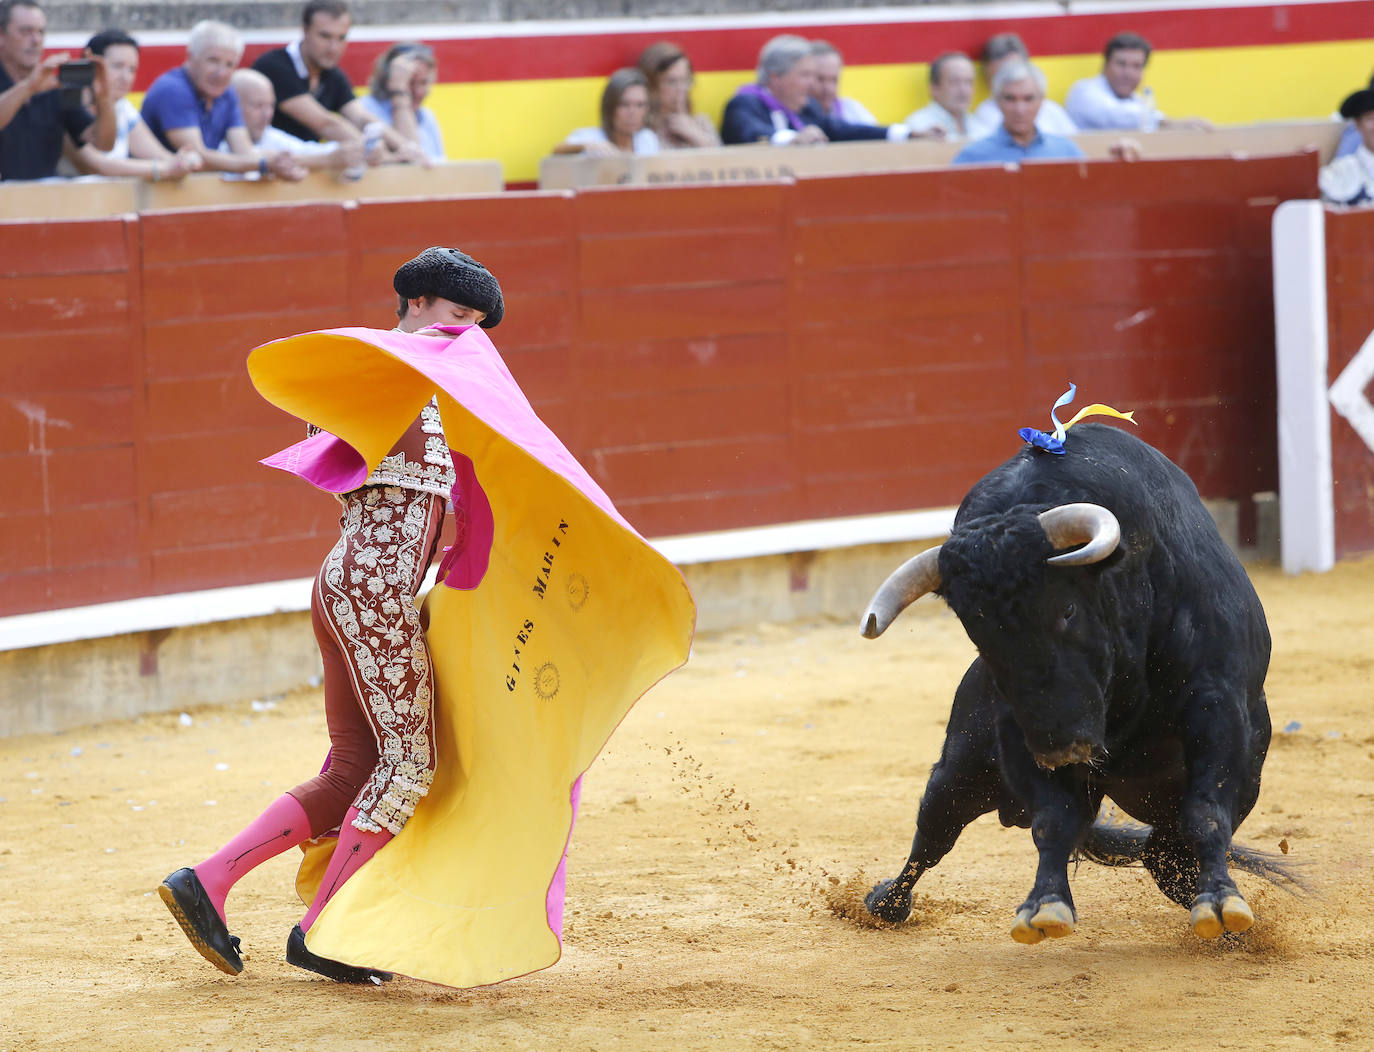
(368, 587)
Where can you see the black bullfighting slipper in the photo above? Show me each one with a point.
(297, 954)
(186, 897)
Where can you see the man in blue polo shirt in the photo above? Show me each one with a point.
(1019, 89)
(191, 107)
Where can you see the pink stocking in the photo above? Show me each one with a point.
(354, 848)
(281, 826)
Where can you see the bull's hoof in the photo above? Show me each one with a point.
(1211, 917)
(1054, 919)
(889, 901)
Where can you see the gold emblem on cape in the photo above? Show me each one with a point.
(546, 681)
(578, 590)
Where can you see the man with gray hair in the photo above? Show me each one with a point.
(779, 107)
(1019, 89)
(1000, 50)
(191, 107)
(951, 95)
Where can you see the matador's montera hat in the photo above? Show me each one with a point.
(452, 275)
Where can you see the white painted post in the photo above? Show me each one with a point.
(1306, 512)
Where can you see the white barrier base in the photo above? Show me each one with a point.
(275, 597)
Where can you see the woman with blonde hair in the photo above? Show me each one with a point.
(669, 73)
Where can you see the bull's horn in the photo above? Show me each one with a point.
(1090, 525)
(913, 579)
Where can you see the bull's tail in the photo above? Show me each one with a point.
(1115, 843)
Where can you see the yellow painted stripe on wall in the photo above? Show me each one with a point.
(518, 122)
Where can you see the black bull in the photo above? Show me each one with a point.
(1131, 667)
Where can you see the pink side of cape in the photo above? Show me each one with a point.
(469, 370)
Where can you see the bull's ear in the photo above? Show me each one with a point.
(1090, 525)
(913, 579)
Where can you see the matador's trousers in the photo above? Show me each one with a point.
(378, 679)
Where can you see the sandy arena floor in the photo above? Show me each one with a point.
(742, 800)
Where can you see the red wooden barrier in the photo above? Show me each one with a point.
(1151, 288)
(216, 283)
(716, 356)
(904, 304)
(70, 525)
(681, 372)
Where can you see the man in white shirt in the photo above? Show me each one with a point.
(1000, 50)
(951, 95)
(1349, 180)
(1114, 100)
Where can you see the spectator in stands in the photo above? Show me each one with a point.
(951, 94)
(401, 80)
(1349, 180)
(1019, 89)
(826, 95)
(778, 107)
(191, 107)
(136, 151)
(1114, 100)
(1350, 136)
(997, 52)
(669, 73)
(258, 103)
(624, 113)
(34, 122)
(315, 98)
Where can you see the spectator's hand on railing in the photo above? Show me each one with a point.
(183, 163)
(1124, 149)
(348, 155)
(934, 133)
(405, 153)
(809, 135)
(411, 153)
(285, 167)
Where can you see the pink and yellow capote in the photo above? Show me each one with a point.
(551, 618)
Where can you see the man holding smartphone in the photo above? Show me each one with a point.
(33, 118)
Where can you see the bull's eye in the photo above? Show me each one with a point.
(1066, 617)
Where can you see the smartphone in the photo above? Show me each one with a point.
(72, 79)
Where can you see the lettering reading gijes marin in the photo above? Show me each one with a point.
(541, 584)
